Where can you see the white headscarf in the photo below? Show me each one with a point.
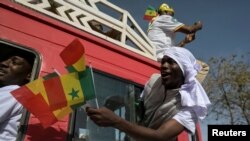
(192, 93)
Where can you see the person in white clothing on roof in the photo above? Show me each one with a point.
(173, 101)
(15, 70)
(162, 29)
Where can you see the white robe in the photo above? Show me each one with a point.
(10, 114)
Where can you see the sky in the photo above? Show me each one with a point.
(226, 23)
(226, 26)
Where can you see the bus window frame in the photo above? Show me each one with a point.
(34, 74)
(72, 118)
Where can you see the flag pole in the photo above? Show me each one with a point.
(92, 74)
(56, 71)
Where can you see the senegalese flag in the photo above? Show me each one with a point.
(71, 90)
(150, 13)
(74, 56)
(34, 98)
(51, 99)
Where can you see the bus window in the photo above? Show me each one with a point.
(115, 94)
(8, 49)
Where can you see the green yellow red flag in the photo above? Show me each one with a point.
(53, 97)
(74, 56)
(34, 98)
(150, 13)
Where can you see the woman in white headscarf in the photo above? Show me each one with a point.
(173, 101)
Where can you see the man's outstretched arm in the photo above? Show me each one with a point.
(189, 38)
(105, 117)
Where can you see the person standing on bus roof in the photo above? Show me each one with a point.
(15, 71)
(162, 29)
(173, 101)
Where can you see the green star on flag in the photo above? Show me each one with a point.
(74, 93)
(57, 95)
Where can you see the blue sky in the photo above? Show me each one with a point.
(226, 23)
(226, 26)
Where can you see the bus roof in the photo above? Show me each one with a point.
(83, 14)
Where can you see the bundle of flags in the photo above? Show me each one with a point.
(150, 13)
(52, 97)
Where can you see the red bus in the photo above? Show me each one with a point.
(119, 51)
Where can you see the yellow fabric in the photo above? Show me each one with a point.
(80, 64)
(151, 13)
(70, 83)
(165, 7)
(37, 87)
(201, 75)
(61, 113)
(178, 27)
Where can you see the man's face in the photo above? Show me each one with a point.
(171, 74)
(14, 71)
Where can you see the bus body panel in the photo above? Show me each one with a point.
(49, 37)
